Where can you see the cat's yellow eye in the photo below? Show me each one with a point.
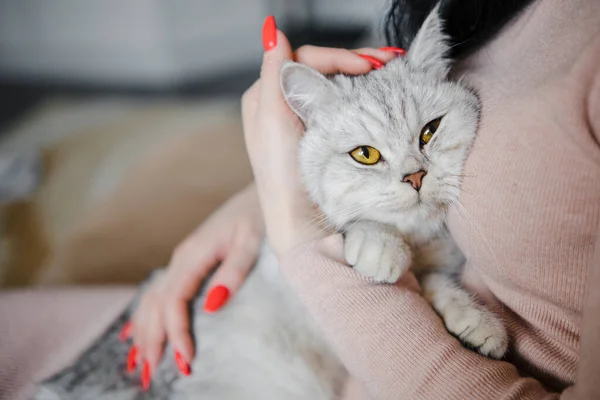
(428, 131)
(366, 155)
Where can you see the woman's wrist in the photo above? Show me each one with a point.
(291, 223)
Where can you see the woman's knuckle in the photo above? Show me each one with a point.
(305, 49)
(235, 274)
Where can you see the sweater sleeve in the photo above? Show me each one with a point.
(390, 338)
(587, 386)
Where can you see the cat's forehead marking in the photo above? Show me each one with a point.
(387, 108)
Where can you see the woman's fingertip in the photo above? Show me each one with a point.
(396, 50)
(269, 33)
(132, 359)
(377, 64)
(125, 331)
(216, 298)
(182, 364)
(146, 376)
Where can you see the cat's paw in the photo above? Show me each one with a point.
(376, 251)
(477, 328)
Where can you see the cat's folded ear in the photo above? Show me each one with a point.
(429, 48)
(305, 89)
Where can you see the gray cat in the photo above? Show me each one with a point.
(382, 156)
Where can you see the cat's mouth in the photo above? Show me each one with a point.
(404, 205)
(422, 201)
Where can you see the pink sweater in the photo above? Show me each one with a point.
(529, 226)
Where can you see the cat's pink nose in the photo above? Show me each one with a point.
(415, 179)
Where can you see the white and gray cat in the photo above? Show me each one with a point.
(383, 157)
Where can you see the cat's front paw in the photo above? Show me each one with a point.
(376, 251)
(477, 328)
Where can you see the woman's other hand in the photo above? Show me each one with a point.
(232, 236)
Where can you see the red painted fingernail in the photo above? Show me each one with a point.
(182, 364)
(125, 332)
(395, 50)
(132, 359)
(375, 62)
(216, 298)
(269, 33)
(146, 376)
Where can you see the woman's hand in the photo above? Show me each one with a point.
(231, 236)
(273, 133)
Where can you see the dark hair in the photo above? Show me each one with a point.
(468, 23)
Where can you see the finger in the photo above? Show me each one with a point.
(135, 357)
(138, 322)
(191, 264)
(333, 60)
(132, 359)
(148, 330)
(381, 55)
(177, 323)
(235, 268)
(396, 50)
(228, 278)
(146, 376)
(155, 340)
(181, 286)
(277, 50)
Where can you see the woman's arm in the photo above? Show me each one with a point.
(390, 338)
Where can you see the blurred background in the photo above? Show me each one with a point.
(119, 123)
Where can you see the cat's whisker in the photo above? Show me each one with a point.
(476, 196)
(462, 190)
(461, 175)
(348, 213)
(350, 226)
(497, 266)
(316, 219)
(478, 231)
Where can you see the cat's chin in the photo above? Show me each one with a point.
(423, 208)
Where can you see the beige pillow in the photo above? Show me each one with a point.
(117, 199)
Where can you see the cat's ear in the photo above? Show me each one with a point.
(428, 49)
(305, 89)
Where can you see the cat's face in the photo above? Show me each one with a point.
(389, 146)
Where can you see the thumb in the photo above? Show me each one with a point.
(277, 50)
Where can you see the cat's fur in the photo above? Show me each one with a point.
(263, 345)
(388, 225)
